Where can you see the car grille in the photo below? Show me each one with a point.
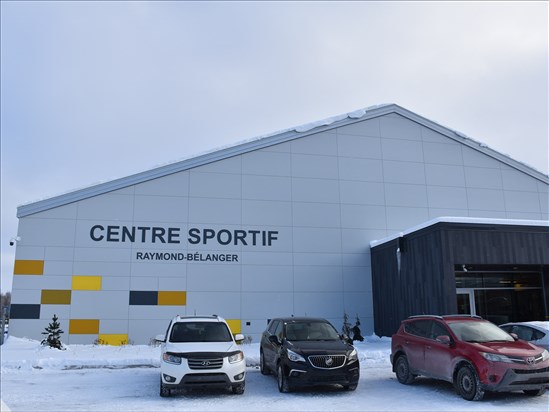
(532, 360)
(327, 361)
(201, 364)
(530, 371)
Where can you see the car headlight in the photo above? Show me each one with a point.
(494, 357)
(544, 355)
(166, 357)
(237, 357)
(295, 357)
(352, 357)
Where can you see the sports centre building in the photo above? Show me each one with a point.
(378, 213)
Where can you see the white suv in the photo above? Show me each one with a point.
(200, 352)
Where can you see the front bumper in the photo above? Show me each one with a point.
(302, 375)
(521, 379)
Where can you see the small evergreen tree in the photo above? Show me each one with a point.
(346, 329)
(53, 332)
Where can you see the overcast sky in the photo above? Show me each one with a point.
(92, 91)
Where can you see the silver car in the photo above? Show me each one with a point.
(536, 332)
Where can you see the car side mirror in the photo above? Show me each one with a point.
(346, 338)
(239, 337)
(444, 339)
(274, 339)
(514, 335)
(160, 338)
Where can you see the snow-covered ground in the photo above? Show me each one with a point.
(126, 378)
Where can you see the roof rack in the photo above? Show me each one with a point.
(456, 315)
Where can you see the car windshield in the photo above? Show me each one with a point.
(200, 332)
(303, 331)
(479, 332)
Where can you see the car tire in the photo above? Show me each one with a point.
(534, 392)
(164, 390)
(468, 384)
(282, 380)
(238, 389)
(402, 370)
(262, 367)
(350, 387)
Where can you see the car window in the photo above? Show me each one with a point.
(310, 331)
(272, 327)
(479, 332)
(438, 329)
(537, 334)
(200, 332)
(278, 331)
(419, 328)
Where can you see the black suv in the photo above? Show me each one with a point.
(307, 352)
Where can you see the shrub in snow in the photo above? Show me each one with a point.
(53, 334)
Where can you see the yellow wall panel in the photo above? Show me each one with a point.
(113, 339)
(172, 298)
(84, 326)
(86, 282)
(28, 267)
(235, 325)
(56, 297)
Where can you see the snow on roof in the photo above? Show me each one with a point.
(471, 220)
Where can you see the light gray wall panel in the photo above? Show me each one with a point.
(58, 267)
(527, 202)
(429, 135)
(365, 128)
(267, 305)
(359, 146)
(447, 197)
(358, 240)
(229, 165)
(173, 284)
(217, 211)
(398, 127)
(144, 283)
(446, 154)
(62, 212)
(267, 258)
(29, 328)
(58, 253)
(401, 218)
(357, 279)
(147, 269)
(62, 312)
(322, 167)
(318, 279)
(475, 158)
(492, 214)
(107, 206)
(145, 330)
(224, 304)
(483, 177)
(113, 326)
(266, 188)
(103, 304)
(215, 185)
(402, 150)
(485, 199)
(266, 213)
(316, 214)
(266, 163)
(403, 172)
(317, 259)
(525, 215)
(279, 148)
(102, 268)
(434, 213)
(444, 175)
(81, 339)
(30, 252)
(405, 195)
(315, 190)
(321, 144)
(112, 254)
(27, 296)
(314, 239)
(321, 304)
(176, 184)
(364, 307)
(366, 170)
(363, 217)
(165, 313)
(362, 193)
(515, 180)
(42, 282)
(115, 283)
(51, 232)
(258, 278)
(161, 209)
(216, 278)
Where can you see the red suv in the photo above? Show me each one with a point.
(472, 353)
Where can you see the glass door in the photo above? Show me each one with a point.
(466, 302)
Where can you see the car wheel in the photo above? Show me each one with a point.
(402, 370)
(534, 392)
(164, 390)
(262, 366)
(282, 380)
(238, 389)
(468, 384)
(350, 387)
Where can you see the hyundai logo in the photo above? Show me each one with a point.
(329, 361)
(530, 360)
(206, 363)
